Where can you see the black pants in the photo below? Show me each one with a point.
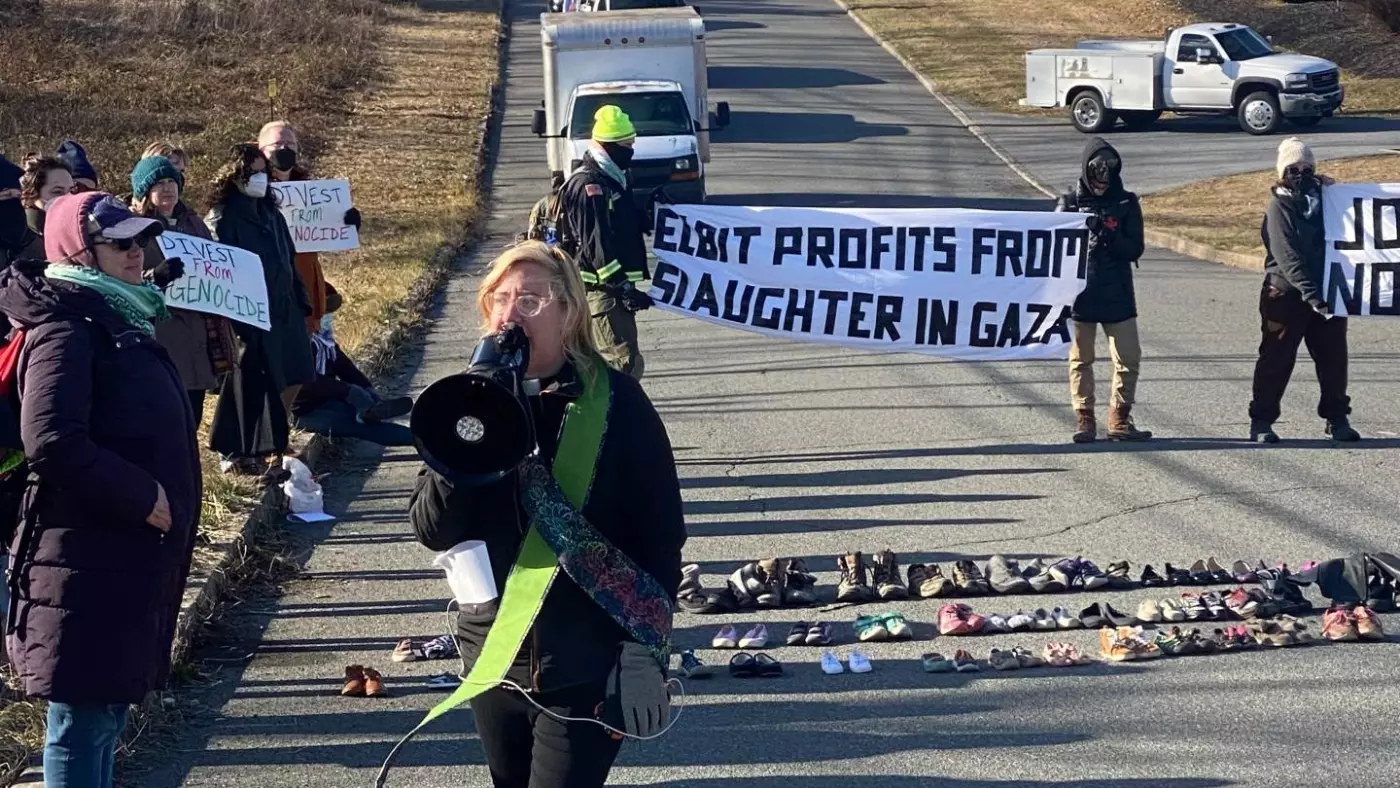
(197, 404)
(528, 749)
(1286, 322)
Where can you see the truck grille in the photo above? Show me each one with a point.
(649, 175)
(1326, 80)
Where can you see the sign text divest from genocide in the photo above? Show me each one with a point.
(976, 285)
(1363, 248)
(315, 213)
(219, 279)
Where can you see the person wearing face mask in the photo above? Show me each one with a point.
(201, 345)
(278, 142)
(603, 230)
(571, 644)
(1115, 244)
(75, 157)
(251, 419)
(15, 235)
(105, 540)
(1292, 309)
(45, 179)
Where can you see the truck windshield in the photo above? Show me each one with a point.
(1243, 44)
(660, 114)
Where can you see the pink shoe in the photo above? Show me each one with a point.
(974, 621)
(953, 620)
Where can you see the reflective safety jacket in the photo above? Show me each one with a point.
(602, 228)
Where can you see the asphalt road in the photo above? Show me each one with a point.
(803, 450)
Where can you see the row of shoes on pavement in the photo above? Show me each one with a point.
(1002, 575)
(768, 583)
(1056, 655)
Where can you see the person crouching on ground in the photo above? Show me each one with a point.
(341, 400)
(104, 547)
(1115, 244)
(1291, 305)
(202, 345)
(578, 650)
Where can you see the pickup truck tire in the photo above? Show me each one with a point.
(1088, 114)
(1139, 119)
(1259, 113)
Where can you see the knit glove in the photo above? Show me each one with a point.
(166, 272)
(352, 218)
(640, 689)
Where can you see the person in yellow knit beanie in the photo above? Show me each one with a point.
(601, 228)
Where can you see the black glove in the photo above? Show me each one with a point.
(352, 218)
(1094, 222)
(637, 693)
(333, 300)
(660, 197)
(166, 272)
(633, 299)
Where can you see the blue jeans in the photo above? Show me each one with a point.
(337, 418)
(80, 749)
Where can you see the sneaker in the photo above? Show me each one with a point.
(1042, 582)
(964, 663)
(831, 665)
(819, 634)
(1339, 624)
(406, 651)
(1193, 607)
(1026, 658)
(1020, 621)
(853, 586)
(1065, 573)
(1171, 611)
(755, 638)
(1118, 577)
(1004, 576)
(1340, 430)
(386, 409)
(1003, 660)
(1368, 624)
(898, 628)
(885, 576)
(726, 637)
(1043, 619)
(801, 585)
(1065, 619)
(929, 582)
(772, 573)
(692, 668)
(441, 647)
(1151, 579)
(1148, 612)
(958, 620)
(995, 624)
(1242, 603)
(969, 580)
(933, 662)
(444, 681)
(871, 628)
(797, 636)
(1262, 432)
(859, 662)
(1114, 648)
(1090, 576)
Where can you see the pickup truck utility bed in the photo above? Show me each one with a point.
(1214, 68)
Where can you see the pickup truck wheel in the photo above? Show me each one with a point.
(1088, 114)
(1306, 121)
(1137, 120)
(1259, 113)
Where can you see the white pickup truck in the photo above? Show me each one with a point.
(1206, 68)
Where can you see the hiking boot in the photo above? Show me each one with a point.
(1121, 428)
(1004, 576)
(1340, 430)
(1262, 432)
(885, 574)
(1086, 429)
(386, 409)
(773, 573)
(969, 580)
(929, 582)
(746, 586)
(853, 586)
(801, 585)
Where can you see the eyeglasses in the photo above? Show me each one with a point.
(526, 304)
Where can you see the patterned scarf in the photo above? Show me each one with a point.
(139, 305)
(604, 161)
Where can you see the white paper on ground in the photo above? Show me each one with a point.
(310, 517)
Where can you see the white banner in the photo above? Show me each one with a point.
(975, 285)
(1363, 248)
(219, 279)
(315, 213)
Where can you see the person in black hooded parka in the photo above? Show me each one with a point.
(1115, 244)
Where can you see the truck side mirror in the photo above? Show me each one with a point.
(722, 114)
(537, 123)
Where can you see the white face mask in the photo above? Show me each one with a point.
(256, 187)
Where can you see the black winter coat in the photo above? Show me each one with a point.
(104, 418)
(635, 502)
(601, 223)
(1295, 244)
(1108, 295)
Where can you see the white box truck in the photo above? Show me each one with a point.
(650, 63)
(1210, 68)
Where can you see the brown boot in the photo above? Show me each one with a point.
(1120, 425)
(1085, 427)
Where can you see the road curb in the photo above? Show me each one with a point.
(1154, 237)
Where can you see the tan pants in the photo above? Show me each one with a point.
(615, 334)
(1126, 350)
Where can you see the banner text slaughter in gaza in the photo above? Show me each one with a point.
(997, 252)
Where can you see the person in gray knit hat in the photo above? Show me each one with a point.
(1292, 305)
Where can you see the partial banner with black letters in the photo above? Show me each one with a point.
(964, 284)
(1363, 248)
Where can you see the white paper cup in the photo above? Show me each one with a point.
(468, 568)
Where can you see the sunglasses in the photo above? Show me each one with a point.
(123, 244)
(1298, 171)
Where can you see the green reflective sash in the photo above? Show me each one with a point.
(579, 444)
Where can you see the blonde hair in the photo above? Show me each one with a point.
(167, 149)
(565, 286)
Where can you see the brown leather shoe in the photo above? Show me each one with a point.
(1121, 428)
(354, 682)
(1086, 429)
(374, 684)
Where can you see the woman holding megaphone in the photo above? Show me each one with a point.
(584, 538)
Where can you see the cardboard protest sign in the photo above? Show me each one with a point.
(315, 213)
(1363, 248)
(976, 285)
(219, 279)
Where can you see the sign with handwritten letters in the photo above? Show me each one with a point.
(315, 213)
(219, 279)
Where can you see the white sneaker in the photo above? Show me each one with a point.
(1020, 621)
(755, 638)
(859, 662)
(831, 665)
(1065, 619)
(1043, 620)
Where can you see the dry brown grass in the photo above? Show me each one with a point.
(1192, 212)
(974, 50)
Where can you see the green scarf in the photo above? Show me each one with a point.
(139, 305)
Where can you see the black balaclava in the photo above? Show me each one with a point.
(621, 155)
(1101, 165)
(14, 229)
(1302, 181)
